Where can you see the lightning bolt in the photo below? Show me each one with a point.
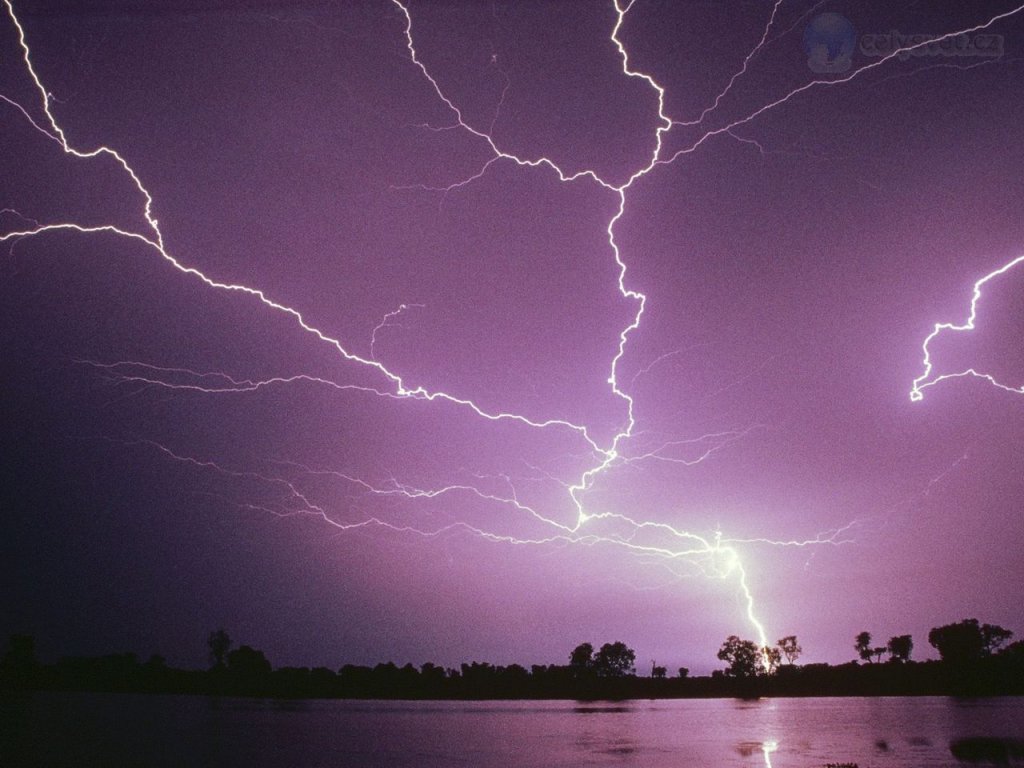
(386, 323)
(719, 556)
(926, 380)
(821, 83)
(212, 382)
(743, 69)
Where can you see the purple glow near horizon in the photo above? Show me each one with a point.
(444, 333)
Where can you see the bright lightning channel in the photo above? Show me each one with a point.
(925, 380)
(155, 241)
(725, 558)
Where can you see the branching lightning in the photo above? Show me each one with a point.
(743, 69)
(716, 556)
(386, 322)
(145, 375)
(926, 379)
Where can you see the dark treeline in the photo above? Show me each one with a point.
(975, 660)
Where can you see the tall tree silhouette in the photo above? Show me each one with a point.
(581, 660)
(248, 662)
(862, 644)
(741, 656)
(19, 665)
(615, 660)
(790, 648)
(900, 648)
(21, 654)
(219, 643)
(966, 641)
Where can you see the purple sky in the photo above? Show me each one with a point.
(181, 456)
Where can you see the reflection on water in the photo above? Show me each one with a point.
(747, 748)
(593, 710)
(980, 750)
(92, 729)
(765, 748)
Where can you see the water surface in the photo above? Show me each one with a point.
(131, 730)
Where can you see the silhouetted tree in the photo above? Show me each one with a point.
(790, 648)
(900, 648)
(994, 637)
(742, 656)
(21, 654)
(247, 662)
(516, 672)
(322, 677)
(219, 643)
(390, 679)
(431, 674)
(966, 642)
(582, 658)
(18, 666)
(862, 644)
(614, 660)
(246, 672)
(355, 679)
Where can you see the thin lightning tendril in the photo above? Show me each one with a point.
(738, 75)
(814, 84)
(386, 323)
(925, 380)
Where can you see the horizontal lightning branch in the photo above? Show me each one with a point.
(926, 379)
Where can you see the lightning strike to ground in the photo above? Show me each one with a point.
(722, 558)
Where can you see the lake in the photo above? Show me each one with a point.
(79, 729)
